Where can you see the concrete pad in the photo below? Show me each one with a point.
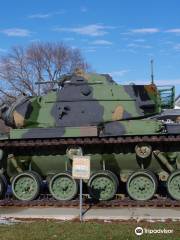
(148, 214)
(40, 213)
(137, 214)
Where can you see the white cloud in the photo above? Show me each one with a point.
(140, 40)
(90, 30)
(173, 30)
(45, 15)
(167, 81)
(118, 74)
(145, 30)
(149, 31)
(101, 42)
(40, 15)
(16, 32)
(134, 45)
(158, 82)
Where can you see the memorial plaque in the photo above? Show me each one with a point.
(81, 167)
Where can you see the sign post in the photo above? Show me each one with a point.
(81, 170)
(80, 201)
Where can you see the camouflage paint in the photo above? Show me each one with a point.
(87, 105)
(87, 100)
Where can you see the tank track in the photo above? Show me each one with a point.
(48, 201)
(21, 143)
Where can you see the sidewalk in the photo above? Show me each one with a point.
(148, 214)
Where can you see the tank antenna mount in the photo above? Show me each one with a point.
(152, 71)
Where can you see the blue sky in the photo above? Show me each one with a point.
(117, 37)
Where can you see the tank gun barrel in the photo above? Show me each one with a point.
(59, 81)
(46, 82)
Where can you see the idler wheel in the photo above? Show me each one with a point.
(63, 187)
(173, 185)
(26, 186)
(3, 186)
(141, 185)
(143, 150)
(103, 185)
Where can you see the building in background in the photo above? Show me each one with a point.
(177, 102)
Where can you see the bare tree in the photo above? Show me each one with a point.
(23, 66)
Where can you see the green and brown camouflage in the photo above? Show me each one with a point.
(92, 105)
(86, 105)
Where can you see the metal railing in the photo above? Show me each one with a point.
(167, 96)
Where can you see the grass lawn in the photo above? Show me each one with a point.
(47, 230)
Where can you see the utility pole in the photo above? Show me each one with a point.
(152, 71)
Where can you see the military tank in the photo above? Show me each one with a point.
(130, 132)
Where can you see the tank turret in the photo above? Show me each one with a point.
(83, 100)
